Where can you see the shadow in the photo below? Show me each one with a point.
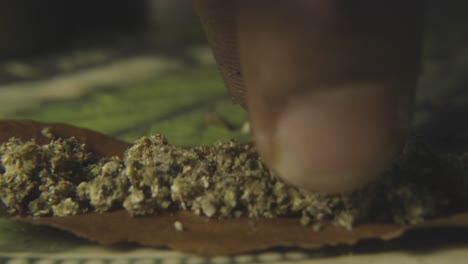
(443, 91)
(33, 27)
(414, 242)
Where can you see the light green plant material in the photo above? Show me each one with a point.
(226, 180)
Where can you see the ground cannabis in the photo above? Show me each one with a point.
(222, 181)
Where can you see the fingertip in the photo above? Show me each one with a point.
(336, 141)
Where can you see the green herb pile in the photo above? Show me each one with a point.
(227, 180)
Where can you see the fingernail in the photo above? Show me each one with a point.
(338, 140)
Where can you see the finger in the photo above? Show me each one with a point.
(218, 19)
(329, 85)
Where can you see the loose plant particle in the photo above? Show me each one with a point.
(47, 132)
(179, 227)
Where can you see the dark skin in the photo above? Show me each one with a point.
(328, 84)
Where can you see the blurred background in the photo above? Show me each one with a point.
(124, 68)
(31, 28)
(128, 68)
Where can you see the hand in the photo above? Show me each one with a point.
(328, 84)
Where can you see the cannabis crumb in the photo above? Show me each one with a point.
(47, 132)
(226, 180)
(178, 226)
